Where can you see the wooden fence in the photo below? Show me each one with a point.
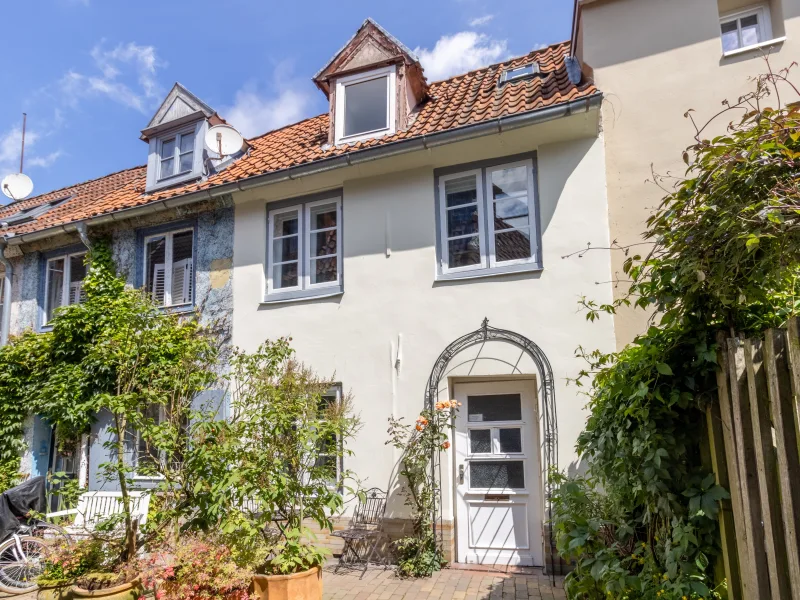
(753, 435)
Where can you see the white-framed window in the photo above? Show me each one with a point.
(329, 453)
(488, 218)
(176, 154)
(63, 282)
(145, 457)
(745, 28)
(169, 267)
(365, 105)
(305, 247)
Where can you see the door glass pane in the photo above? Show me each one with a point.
(497, 407)
(55, 286)
(285, 275)
(462, 221)
(514, 244)
(155, 268)
(510, 440)
(480, 441)
(366, 106)
(464, 252)
(323, 270)
(750, 31)
(462, 190)
(507, 474)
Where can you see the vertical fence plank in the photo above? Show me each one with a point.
(767, 470)
(751, 536)
(719, 465)
(781, 402)
(793, 345)
(734, 482)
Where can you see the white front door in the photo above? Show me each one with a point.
(498, 489)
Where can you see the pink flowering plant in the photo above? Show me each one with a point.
(419, 554)
(197, 568)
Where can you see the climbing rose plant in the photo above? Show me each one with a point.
(419, 555)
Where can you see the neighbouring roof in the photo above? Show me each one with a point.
(464, 100)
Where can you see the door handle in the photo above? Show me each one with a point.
(460, 474)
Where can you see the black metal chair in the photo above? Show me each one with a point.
(365, 530)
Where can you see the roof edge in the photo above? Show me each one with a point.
(405, 146)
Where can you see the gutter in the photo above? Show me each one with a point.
(5, 318)
(425, 142)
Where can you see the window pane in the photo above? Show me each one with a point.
(77, 273)
(730, 36)
(285, 224)
(507, 474)
(366, 106)
(480, 441)
(509, 182)
(187, 143)
(463, 252)
(511, 213)
(182, 277)
(168, 148)
(167, 167)
(324, 270)
(460, 191)
(497, 407)
(510, 440)
(285, 249)
(323, 243)
(323, 217)
(284, 276)
(187, 161)
(462, 221)
(155, 268)
(55, 286)
(750, 30)
(513, 244)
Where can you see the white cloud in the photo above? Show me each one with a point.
(10, 143)
(479, 21)
(116, 66)
(459, 53)
(254, 114)
(45, 161)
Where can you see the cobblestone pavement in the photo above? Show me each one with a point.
(456, 583)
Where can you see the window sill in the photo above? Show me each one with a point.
(738, 51)
(302, 295)
(493, 272)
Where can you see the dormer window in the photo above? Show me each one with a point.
(365, 105)
(177, 155)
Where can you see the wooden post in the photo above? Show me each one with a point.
(751, 536)
(780, 396)
(734, 485)
(767, 471)
(727, 530)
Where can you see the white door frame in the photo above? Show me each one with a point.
(530, 547)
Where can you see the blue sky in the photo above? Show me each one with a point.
(90, 73)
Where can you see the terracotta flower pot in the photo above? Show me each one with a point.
(124, 591)
(298, 586)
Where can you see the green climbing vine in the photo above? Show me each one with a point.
(641, 523)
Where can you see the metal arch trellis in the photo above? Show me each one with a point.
(484, 334)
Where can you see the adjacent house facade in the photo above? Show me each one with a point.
(413, 241)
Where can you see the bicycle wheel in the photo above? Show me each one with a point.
(21, 562)
(50, 533)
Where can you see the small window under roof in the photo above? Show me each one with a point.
(517, 73)
(33, 212)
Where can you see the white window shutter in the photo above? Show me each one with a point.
(182, 281)
(76, 292)
(157, 291)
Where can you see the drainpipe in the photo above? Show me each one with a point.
(5, 320)
(84, 235)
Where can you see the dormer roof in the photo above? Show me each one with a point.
(371, 46)
(180, 106)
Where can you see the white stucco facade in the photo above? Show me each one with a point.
(394, 308)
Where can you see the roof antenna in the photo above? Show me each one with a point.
(18, 186)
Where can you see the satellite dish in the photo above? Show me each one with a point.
(17, 186)
(224, 140)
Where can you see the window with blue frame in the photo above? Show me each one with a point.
(169, 267)
(63, 286)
